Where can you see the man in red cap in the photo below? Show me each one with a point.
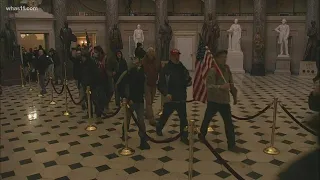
(174, 79)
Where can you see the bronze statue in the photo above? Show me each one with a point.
(67, 37)
(115, 39)
(165, 39)
(258, 47)
(10, 42)
(310, 53)
(211, 33)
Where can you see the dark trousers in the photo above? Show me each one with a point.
(99, 99)
(42, 80)
(138, 109)
(225, 112)
(181, 108)
(121, 91)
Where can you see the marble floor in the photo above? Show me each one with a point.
(38, 142)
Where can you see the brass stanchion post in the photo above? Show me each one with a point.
(66, 112)
(90, 127)
(21, 76)
(191, 144)
(126, 151)
(29, 77)
(52, 102)
(271, 150)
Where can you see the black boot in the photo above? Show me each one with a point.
(144, 144)
(159, 129)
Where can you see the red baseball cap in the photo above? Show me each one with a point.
(175, 52)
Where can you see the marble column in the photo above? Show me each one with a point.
(60, 15)
(161, 16)
(3, 19)
(59, 11)
(259, 35)
(210, 7)
(313, 14)
(112, 13)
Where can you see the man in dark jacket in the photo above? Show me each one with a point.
(139, 52)
(173, 82)
(306, 168)
(42, 64)
(77, 67)
(57, 66)
(136, 79)
(120, 91)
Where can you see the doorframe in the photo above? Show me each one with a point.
(193, 35)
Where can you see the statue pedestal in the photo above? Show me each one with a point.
(283, 65)
(308, 68)
(235, 61)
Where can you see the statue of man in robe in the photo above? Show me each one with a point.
(10, 42)
(165, 39)
(235, 36)
(115, 39)
(138, 36)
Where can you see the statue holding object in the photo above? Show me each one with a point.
(10, 42)
(67, 37)
(310, 52)
(211, 34)
(115, 39)
(165, 39)
(235, 36)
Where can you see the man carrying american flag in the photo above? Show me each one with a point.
(213, 82)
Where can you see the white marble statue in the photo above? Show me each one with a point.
(138, 36)
(284, 31)
(235, 36)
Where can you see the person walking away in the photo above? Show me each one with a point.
(50, 70)
(308, 166)
(151, 72)
(219, 98)
(136, 79)
(76, 60)
(101, 87)
(42, 64)
(120, 89)
(111, 69)
(57, 66)
(90, 77)
(25, 65)
(139, 51)
(174, 79)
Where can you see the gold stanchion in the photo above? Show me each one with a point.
(271, 150)
(66, 112)
(162, 102)
(90, 127)
(21, 76)
(210, 129)
(29, 77)
(126, 151)
(52, 102)
(191, 144)
(38, 77)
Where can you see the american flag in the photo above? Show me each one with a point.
(203, 64)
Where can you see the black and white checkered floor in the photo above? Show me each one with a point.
(38, 142)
